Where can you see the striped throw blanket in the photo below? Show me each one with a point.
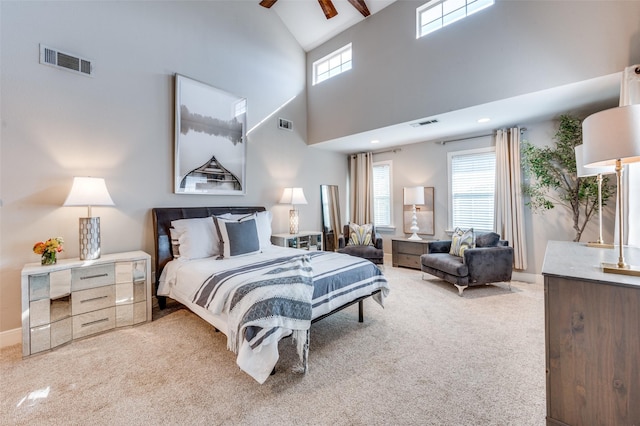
(263, 300)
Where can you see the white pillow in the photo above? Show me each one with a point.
(238, 237)
(263, 222)
(197, 237)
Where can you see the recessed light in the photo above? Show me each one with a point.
(484, 120)
(375, 141)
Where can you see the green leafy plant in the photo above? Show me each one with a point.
(553, 179)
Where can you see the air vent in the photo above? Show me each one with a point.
(285, 124)
(69, 62)
(424, 123)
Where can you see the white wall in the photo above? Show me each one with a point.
(119, 123)
(510, 49)
(425, 164)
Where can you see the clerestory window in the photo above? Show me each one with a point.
(436, 14)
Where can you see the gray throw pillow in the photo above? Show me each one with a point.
(487, 239)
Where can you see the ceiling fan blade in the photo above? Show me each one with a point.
(328, 8)
(267, 3)
(361, 6)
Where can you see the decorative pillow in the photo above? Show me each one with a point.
(360, 235)
(263, 222)
(197, 237)
(487, 239)
(461, 240)
(237, 237)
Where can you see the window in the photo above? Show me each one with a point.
(332, 64)
(382, 201)
(439, 13)
(472, 188)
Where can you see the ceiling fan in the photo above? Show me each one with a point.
(328, 8)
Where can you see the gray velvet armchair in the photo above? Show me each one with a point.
(489, 262)
(374, 253)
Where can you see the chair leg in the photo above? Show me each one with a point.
(461, 289)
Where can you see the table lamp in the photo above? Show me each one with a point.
(612, 137)
(293, 196)
(414, 196)
(89, 191)
(583, 171)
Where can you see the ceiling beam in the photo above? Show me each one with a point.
(267, 3)
(361, 6)
(328, 8)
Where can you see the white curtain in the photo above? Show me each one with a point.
(630, 95)
(509, 220)
(361, 188)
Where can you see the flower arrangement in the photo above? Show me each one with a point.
(49, 249)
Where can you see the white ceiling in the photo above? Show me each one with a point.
(306, 21)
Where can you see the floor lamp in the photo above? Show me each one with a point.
(583, 171)
(412, 196)
(612, 137)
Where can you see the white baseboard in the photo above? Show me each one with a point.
(527, 277)
(10, 337)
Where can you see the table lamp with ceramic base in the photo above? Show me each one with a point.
(89, 191)
(414, 196)
(293, 196)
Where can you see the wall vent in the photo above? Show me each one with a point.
(67, 61)
(424, 123)
(285, 124)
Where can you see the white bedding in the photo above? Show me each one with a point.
(181, 279)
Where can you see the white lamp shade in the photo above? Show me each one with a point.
(88, 191)
(414, 195)
(583, 171)
(293, 196)
(610, 135)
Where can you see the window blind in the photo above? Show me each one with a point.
(473, 190)
(382, 194)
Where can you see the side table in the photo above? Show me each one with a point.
(304, 240)
(406, 253)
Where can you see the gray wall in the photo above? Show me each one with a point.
(509, 49)
(119, 123)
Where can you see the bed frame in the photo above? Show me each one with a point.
(162, 217)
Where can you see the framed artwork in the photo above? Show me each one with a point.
(210, 141)
(424, 213)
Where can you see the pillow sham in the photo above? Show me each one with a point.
(461, 240)
(237, 237)
(197, 237)
(360, 235)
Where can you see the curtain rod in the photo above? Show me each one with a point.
(522, 129)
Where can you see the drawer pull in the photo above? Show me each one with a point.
(86, 324)
(94, 298)
(88, 277)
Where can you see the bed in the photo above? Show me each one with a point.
(254, 292)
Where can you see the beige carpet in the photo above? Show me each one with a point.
(429, 358)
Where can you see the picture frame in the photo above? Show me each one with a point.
(210, 139)
(425, 214)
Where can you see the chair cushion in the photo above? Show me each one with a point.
(445, 262)
(461, 240)
(487, 239)
(360, 235)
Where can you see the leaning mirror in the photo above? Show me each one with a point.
(331, 224)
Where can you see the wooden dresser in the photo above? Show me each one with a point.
(405, 252)
(592, 331)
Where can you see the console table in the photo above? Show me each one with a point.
(592, 333)
(405, 252)
(77, 298)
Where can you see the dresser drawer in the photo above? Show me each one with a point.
(92, 276)
(93, 299)
(411, 248)
(94, 322)
(408, 261)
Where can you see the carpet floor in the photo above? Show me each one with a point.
(429, 357)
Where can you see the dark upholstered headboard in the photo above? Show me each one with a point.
(162, 217)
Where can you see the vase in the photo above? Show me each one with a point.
(49, 258)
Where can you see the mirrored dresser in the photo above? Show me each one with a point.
(78, 298)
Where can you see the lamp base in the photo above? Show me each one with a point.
(600, 245)
(293, 221)
(89, 238)
(414, 237)
(613, 268)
